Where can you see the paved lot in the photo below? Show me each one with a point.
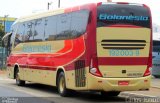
(155, 82)
(37, 93)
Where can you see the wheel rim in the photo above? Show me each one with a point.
(62, 84)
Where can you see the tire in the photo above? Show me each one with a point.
(156, 76)
(63, 91)
(18, 81)
(110, 94)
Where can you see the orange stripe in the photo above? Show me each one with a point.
(67, 47)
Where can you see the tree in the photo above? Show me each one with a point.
(1, 34)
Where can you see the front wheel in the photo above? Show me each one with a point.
(110, 94)
(18, 81)
(63, 91)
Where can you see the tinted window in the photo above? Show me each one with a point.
(39, 29)
(111, 14)
(56, 27)
(25, 35)
(19, 34)
(13, 29)
(29, 30)
(50, 27)
(66, 26)
(33, 30)
(79, 22)
(63, 26)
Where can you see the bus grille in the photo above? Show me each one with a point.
(123, 44)
(80, 73)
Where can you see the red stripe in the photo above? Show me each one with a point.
(67, 10)
(99, 4)
(127, 26)
(35, 67)
(123, 60)
(76, 8)
(42, 68)
(122, 3)
(9, 65)
(50, 61)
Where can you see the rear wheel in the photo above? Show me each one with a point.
(110, 94)
(18, 81)
(156, 76)
(63, 91)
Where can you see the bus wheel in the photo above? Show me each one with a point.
(110, 94)
(156, 76)
(18, 81)
(63, 91)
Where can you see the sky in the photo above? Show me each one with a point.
(19, 8)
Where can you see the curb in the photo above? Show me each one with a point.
(158, 87)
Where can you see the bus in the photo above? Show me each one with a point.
(102, 47)
(156, 57)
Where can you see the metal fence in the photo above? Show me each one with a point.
(3, 56)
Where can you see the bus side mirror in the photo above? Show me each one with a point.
(6, 40)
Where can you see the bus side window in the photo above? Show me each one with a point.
(66, 26)
(29, 31)
(17, 40)
(50, 28)
(63, 26)
(14, 28)
(38, 31)
(79, 22)
(19, 35)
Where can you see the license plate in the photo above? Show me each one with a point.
(123, 83)
(124, 52)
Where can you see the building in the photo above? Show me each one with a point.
(6, 23)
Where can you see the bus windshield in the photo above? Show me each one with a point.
(121, 14)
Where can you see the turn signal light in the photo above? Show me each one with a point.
(94, 67)
(147, 72)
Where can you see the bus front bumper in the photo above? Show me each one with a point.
(118, 84)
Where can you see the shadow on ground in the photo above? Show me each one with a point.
(76, 97)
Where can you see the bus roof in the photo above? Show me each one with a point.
(47, 13)
(40, 15)
(62, 10)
